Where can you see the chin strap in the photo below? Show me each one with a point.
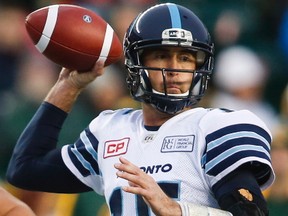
(190, 209)
(178, 95)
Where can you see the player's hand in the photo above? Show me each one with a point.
(80, 80)
(70, 84)
(143, 184)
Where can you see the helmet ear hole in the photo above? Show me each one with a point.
(200, 58)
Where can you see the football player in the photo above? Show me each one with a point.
(168, 158)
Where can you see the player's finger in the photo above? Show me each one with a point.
(125, 161)
(135, 190)
(65, 72)
(130, 166)
(127, 166)
(98, 68)
(136, 178)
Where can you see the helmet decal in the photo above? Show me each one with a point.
(175, 16)
(176, 35)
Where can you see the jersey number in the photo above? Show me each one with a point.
(116, 200)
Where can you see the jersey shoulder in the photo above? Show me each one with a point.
(234, 139)
(112, 118)
(216, 119)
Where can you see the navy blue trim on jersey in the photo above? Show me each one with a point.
(77, 163)
(36, 163)
(236, 128)
(84, 154)
(233, 143)
(236, 142)
(225, 163)
(128, 111)
(152, 128)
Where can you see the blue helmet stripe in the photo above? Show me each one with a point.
(175, 16)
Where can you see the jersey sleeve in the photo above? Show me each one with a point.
(82, 160)
(234, 139)
(82, 157)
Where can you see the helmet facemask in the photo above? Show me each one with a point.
(141, 88)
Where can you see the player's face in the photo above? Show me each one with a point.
(170, 58)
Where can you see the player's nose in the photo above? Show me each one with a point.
(173, 64)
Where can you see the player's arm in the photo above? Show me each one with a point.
(36, 163)
(240, 194)
(11, 206)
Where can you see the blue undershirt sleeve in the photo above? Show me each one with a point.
(227, 194)
(36, 162)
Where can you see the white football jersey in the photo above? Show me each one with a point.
(186, 156)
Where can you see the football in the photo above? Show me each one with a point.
(73, 37)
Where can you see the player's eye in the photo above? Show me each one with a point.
(187, 58)
(160, 55)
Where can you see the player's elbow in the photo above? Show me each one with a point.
(17, 174)
(13, 178)
(19, 180)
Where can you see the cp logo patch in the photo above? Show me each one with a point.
(115, 147)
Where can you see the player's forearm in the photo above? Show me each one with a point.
(63, 95)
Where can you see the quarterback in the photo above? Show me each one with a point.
(168, 158)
